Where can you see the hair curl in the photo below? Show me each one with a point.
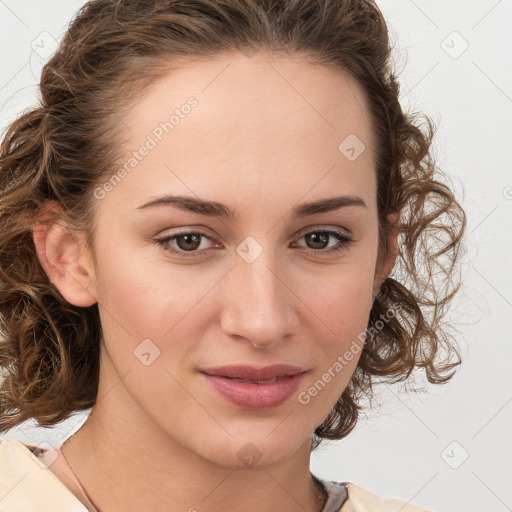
(60, 150)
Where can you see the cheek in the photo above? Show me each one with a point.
(145, 293)
(339, 313)
(149, 323)
(338, 336)
(152, 313)
(341, 299)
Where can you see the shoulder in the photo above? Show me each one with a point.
(362, 500)
(350, 497)
(27, 484)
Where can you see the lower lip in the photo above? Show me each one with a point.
(255, 396)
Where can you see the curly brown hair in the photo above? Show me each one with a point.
(63, 148)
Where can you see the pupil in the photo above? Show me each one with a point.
(188, 237)
(321, 236)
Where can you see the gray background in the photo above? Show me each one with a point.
(446, 448)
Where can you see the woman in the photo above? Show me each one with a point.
(269, 136)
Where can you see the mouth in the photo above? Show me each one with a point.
(255, 388)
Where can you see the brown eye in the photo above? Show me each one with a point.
(318, 241)
(186, 243)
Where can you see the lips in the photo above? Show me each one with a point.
(255, 388)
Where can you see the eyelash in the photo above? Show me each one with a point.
(343, 238)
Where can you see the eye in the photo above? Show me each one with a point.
(189, 243)
(320, 237)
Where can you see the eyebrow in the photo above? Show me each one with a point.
(215, 209)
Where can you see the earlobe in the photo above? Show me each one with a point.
(66, 263)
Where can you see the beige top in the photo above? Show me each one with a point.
(29, 484)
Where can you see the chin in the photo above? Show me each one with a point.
(254, 451)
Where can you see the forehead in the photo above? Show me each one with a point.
(250, 125)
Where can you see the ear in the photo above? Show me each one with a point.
(384, 267)
(65, 258)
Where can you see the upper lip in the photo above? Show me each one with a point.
(253, 373)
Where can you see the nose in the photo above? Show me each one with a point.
(258, 303)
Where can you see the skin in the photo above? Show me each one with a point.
(263, 137)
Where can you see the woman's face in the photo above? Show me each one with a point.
(262, 286)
